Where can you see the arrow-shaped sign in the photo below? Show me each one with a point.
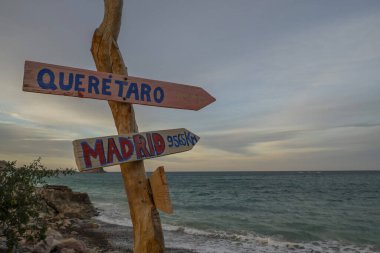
(66, 81)
(111, 150)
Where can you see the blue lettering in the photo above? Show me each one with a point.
(189, 138)
(145, 91)
(133, 89)
(106, 87)
(121, 84)
(62, 84)
(78, 82)
(194, 139)
(170, 140)
(176, 142)
(182, 140)
(40, 79)
(158, 94)
(93, 83)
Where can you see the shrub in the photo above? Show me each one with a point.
(19, 204)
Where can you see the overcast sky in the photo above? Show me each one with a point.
(297, 83)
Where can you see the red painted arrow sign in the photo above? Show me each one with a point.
(106, 151)
(66, 81)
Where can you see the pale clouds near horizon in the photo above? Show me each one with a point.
(296, 82)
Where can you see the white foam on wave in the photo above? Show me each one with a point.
(122, 222)
(224, 242)
(246, 244)
(187, 230)
(110, 213)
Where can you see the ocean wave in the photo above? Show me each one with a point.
(115, 221)
(221, 241)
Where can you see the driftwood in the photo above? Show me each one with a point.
(148, 237)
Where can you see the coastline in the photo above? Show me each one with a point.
(265, 223)
(73, 227)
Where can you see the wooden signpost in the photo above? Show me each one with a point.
(129, 148)
(106, 151)
(160, 190)
(67, 81)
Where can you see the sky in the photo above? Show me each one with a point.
(296, 83)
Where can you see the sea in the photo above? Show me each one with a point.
(255, 211)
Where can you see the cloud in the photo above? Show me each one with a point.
(296, 85)
(28, 143)
(239, 141)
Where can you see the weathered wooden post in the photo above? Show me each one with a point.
(129, 148)
(148, 237)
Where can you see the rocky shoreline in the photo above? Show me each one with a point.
(73, 229)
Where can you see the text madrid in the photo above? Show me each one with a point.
(143, 146)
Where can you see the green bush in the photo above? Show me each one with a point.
(20, 205)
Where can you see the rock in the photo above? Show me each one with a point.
(294, 246)
(66, 223)
(65, 250)
(44, 246)
(3, 247)
(71, 243)
(67, 203)
(75, 226)
(299, 246)
(92, 225)
(61, 216)
(290, 246)
(74, 232)
(54, 234)
(53, 226)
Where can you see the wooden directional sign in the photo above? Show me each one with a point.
(111, 150)
(66, 81)
(160, 190)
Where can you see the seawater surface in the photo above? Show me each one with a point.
(255, 211)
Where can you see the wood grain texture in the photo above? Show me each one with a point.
(111, 150)
(160, 190)
(147, 231)
(67, 81)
